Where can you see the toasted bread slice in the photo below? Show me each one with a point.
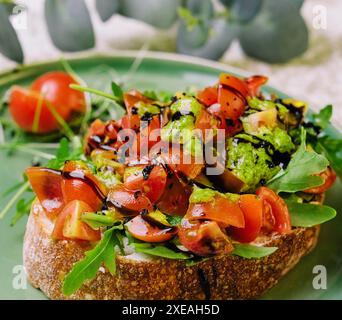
(142, 277)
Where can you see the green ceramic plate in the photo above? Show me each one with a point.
(168, 72)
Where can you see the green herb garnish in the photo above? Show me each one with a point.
(252, 252)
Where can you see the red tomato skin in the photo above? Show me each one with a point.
(153, 187)
(234, 83)
(252, 209)
(51, 91)
(144, 231)
(278, 207)
(329, 176)
(232, 105)
(254, 83)
(46, 184)
(22, 106)
(55, 87)
(86, 188)
(81, 231)
(132, 202)
(204, 238)
(208, 96)
(175, 199)
(223, 211)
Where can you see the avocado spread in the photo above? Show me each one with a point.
(250, 164)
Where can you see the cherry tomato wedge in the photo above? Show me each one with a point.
(222, 210)
(145, 231)
(175, 199)
(329, 177)
(278, 207)
(80, 184)
(174, 158)
(252, 208)
(234, 83)
(254, 83)
(131, 202)
(208, 96)
(46, 184)
(132, 97)
(232, 104)
(150, 179)
(69, 225)
(204, 238)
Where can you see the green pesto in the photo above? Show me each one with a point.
(260, 105)
(179, 130)
(187, 105)
(278, 137)
(108, 178)
(200, 195)
(249, 164)
(147, 108)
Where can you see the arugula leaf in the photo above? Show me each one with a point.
(23, 209)
(87, 268)
(322, 119)
(117, 91)
(96, 221)
(332, 149)
(308, 214)
(174, 220)
(160, 251)
(64, 153)
(299, 174)
(252, 252)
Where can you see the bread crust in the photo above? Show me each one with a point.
(220, 277)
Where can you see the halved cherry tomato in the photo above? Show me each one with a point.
(174, 158)
(252, 208)
(150, 179)
(222, 210)
(208, 96)
(46, 184)
(204, 238)
(329, 177)
(232, 105)
(80, 184)
(175, 199)
(148, 136)
(145, 231)
(278, 207)
(48, 91)
(69, 225)
(254, 83)
(132, 202)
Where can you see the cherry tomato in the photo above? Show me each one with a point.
(151, 180)
(208, 96)
(46, 184)
(232, 105)
(55, 87)
(329, 177)
(204, 238)
(80, 184)
(145, 231)
(278, 207)
(48, 91)
(254, 83)
(174, 158)
(252, 208)
(69, 225)
(205, 121)
(222, 210)
(175, 199)
(130, 122)
(132, 202)
(234, 84)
